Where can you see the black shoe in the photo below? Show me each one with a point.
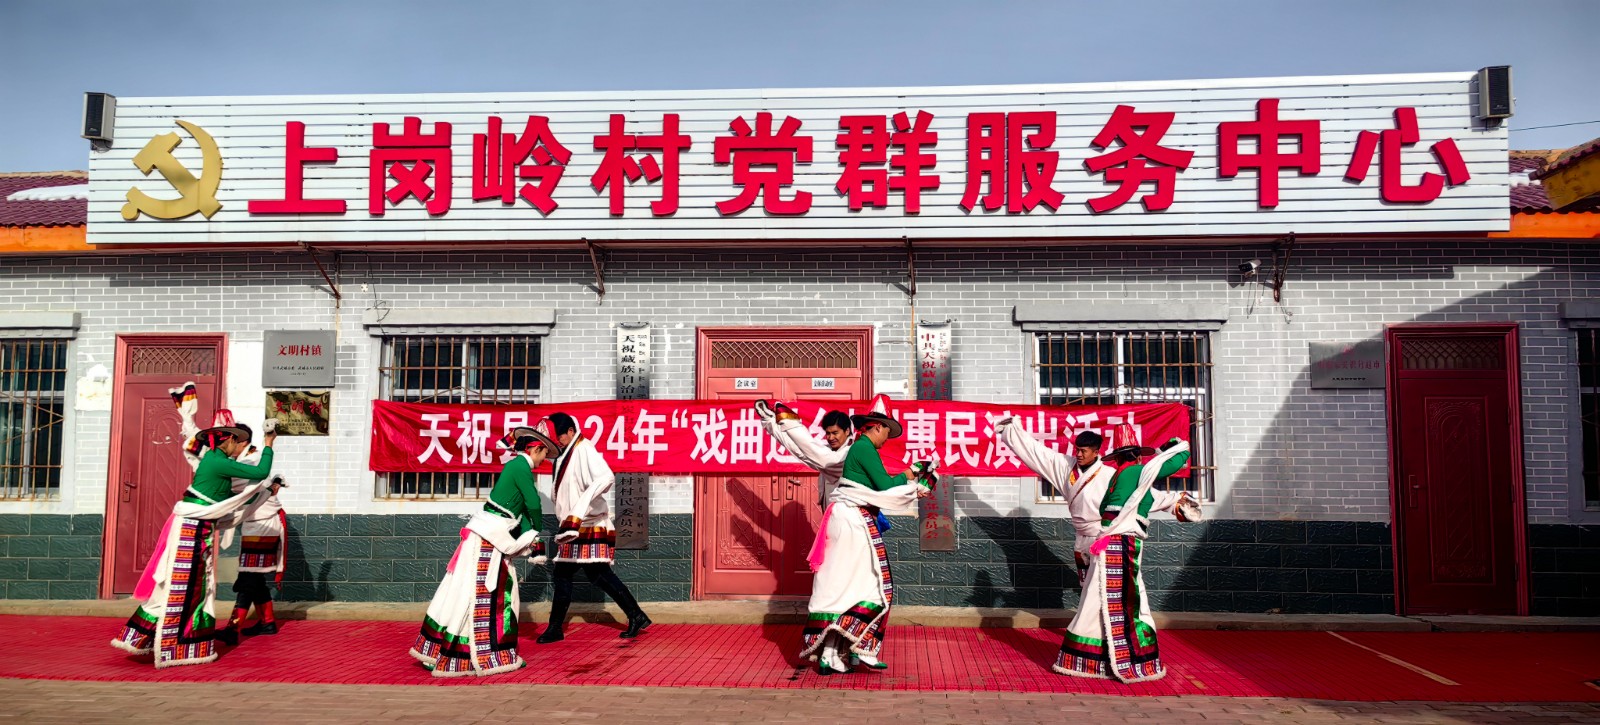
(635, 626)
(551, 635)
(229, 636)
(260, 628)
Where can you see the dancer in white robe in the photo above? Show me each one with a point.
(178, 588)
(784, 425)
(853, 589)
(1113, 635)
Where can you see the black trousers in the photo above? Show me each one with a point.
(251, 587)
(601, 575)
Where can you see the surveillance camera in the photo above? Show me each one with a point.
(1248, 269)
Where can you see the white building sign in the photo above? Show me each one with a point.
(1317, 155)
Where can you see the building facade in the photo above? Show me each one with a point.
(1400, 488)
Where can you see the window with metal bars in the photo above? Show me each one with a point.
(33, 384)
(455, 369)
(1136, 366)
(1589, 413)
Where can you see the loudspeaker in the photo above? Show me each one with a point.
(1494, 92)
(99, 113)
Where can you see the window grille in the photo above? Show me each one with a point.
(1114, 367)
(503, 369)
(1589, 413)
(33, 383)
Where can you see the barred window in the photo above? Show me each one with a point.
(455, 369)
(33, 384)
(1137, 366)
(1589, 413)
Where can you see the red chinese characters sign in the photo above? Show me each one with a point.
(711, 437)
(1011, 162)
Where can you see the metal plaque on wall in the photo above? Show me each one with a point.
(933, 361)
(633, 383)
(299, 412)
(297, 359)
(1348, 365)
(936, 514)
(633, 361)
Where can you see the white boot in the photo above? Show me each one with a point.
(829, 662)
(869, 661)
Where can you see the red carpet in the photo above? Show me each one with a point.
(1542, 667)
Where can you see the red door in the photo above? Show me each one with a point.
(1458, 471)
(752, 532)
(148, 471)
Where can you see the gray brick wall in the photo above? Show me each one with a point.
(1283, 450)
(50, 556)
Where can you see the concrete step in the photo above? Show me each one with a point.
(1487, 623)
(793, 612)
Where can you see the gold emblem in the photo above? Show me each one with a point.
(195, 194)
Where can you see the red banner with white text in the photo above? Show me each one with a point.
(724, 437)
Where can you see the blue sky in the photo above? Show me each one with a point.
(54, 50)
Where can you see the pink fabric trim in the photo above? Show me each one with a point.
(1099, 545)
(819, 547)
(459, 548)
(147, 580)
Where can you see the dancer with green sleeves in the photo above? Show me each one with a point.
(1113, 635)
(470, 629)
(853, 589)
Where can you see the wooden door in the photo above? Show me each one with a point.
(148, 470)
(753, 532)
(1457, 497)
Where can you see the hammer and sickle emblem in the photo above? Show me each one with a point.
(195, 195)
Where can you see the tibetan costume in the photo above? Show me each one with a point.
(179, 583)
(586, 539)
(786, 428)
(263, 551)
(471, 625)
(1084, 488)
(1112, 635)
(853, 589)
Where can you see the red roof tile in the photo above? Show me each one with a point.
(1529, 198)
(61, 213)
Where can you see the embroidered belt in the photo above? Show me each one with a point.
(501, 511)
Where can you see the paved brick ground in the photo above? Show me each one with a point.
(40, 701)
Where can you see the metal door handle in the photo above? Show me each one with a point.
(1415, 493)
(127, 489)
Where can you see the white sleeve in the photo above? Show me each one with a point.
(1165, 500)
(600, 479)
(1051, 465)
(796, 438)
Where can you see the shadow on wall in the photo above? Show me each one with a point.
(299, 584)
(1029, 561)
(1306, 551)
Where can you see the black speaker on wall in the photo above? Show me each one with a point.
(1494, 92)
(99, 113)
